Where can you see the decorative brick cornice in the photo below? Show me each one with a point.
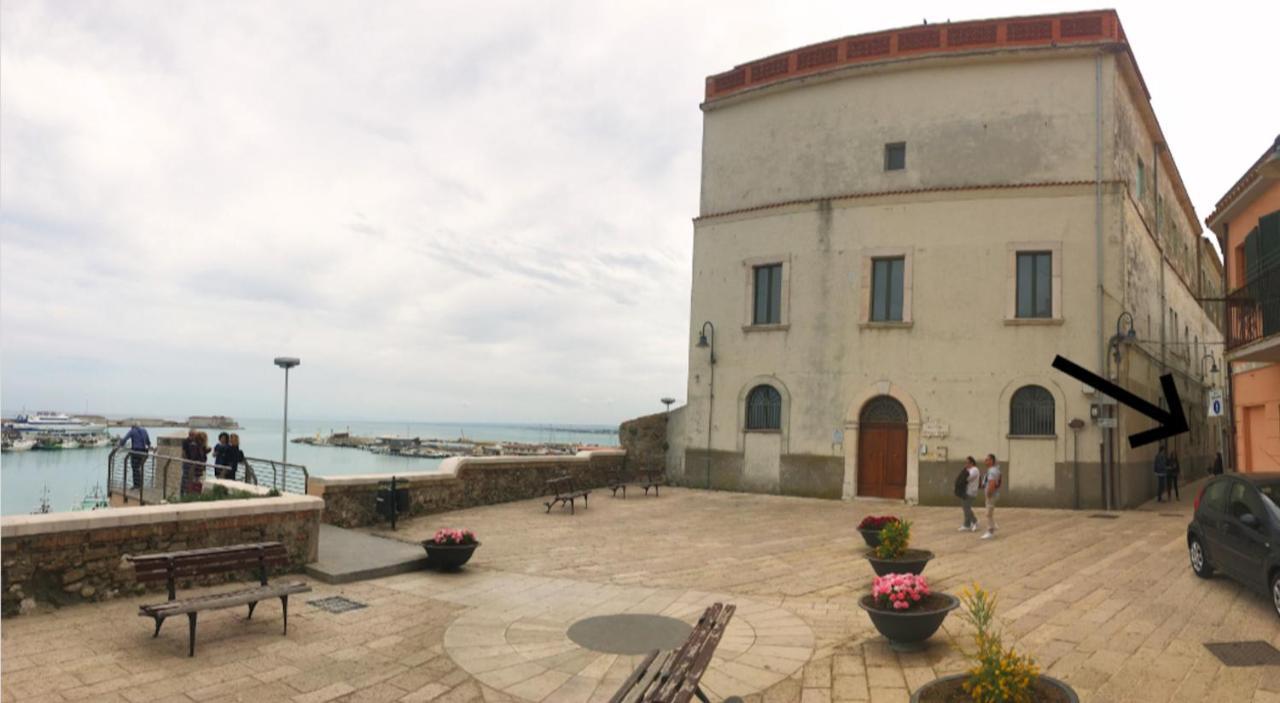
(1102, 26)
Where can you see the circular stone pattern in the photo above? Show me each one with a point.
(629, 633)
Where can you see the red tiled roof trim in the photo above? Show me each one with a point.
(903, 191)
(1245, 181)
(918, 41)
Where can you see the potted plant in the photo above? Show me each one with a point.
(905, 610)
(999, 675)
(892, 556)
(870, 527)
(450, 549)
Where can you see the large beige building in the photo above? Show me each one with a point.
(899, 231)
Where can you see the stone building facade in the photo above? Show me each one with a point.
(897, 234)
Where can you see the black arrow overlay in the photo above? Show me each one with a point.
(1172, 422)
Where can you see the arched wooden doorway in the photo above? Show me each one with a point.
(882, 448)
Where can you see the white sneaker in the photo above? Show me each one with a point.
(964, 528)
(988, 535)
(974, 527)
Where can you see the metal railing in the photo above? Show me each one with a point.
(148, 478)
(1253, 310)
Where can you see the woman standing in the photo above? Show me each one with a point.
(195, 449)
(235, 457)
(1171, 476)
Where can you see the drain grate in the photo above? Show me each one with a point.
(1104, 516)
(337, 604)
(1250, 653)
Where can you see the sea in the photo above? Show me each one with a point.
(70, 474)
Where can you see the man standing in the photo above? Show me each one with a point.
(1162, 470)
(971, 479)
(139, 446)
(991, 484)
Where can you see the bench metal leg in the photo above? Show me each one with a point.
(697, 691)
(584, 502)
(191, 619)
(284, 605)
(159, 622)
(571, 503)
(251, 607)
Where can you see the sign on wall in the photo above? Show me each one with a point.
(1215, 403)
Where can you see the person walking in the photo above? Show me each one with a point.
(967, 491)
(1161, 467)
(1217, 464)
(220, 458)
(991, 487)
(139, 446)
(1171, 476)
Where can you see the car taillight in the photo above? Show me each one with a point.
(1199, 495)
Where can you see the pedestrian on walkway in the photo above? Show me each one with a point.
(967, 491)
(1172, 469)
(1217, 465)
(1161, 467)
(991, 487)
(221, 460)
(139, 446)
(235, 457)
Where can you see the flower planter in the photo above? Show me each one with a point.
(912, 561)
(871, 537)
(907, 630)
(948, 690)
(448, 557)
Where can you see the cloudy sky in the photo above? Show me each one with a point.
(450, 211)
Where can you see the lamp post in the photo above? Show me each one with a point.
(1213, 368)
(1110, 411)
(703, 343)
(667, 402)
(286, 363)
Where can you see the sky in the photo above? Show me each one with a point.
(448, 211)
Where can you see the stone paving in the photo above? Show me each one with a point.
(1110, 606)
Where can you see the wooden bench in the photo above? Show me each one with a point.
(564, 492)
(654, 478)
(191, 563)
(618, 481)
(674, 678)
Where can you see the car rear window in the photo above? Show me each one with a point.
(1271, 491)
(1215, 494)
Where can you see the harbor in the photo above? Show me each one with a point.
(432, 448)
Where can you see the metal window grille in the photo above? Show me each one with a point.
(764, 409)
(884, 409)
(1031, 412)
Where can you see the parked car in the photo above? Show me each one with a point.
(1236, 530)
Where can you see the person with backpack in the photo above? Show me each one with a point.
(1161, 467)
(991, 485)
(966, 490)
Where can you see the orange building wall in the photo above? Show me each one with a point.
(1255, 393)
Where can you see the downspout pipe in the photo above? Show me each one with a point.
(1107, 433)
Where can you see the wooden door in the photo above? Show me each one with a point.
(882, 449)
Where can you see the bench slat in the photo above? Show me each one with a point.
(208, 550)
(675, 679)
(217, 601)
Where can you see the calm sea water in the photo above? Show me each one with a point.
(71, 473)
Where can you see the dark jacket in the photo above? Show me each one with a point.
(1161, 464)
(192, 451)
(1217, 464)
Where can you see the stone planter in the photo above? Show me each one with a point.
(448, 557)
(947, 689)
(871, 537)
(912, 561)
(907, 630)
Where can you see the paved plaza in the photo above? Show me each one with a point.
(1110, 606)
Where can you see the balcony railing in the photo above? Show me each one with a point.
(1253, 310)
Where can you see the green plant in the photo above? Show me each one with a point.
(894, 539)
(273, 493)
(215, 492)
(999, 675)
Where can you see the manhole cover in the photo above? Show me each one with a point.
(336, 604)
(629, 633)
(1250, 653)
(1104, 516)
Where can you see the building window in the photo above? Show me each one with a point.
(764, 408)
(768, 295)
(1142, 178)
(1035, 284)
(1031, 412)
(895, 156)
(886, 289)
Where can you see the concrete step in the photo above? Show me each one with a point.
(348, 555)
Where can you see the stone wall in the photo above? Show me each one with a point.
(645, 441)
(64, 558)
(462, 482)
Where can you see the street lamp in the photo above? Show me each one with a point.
(1121, 336)
(667, 402)
(703, 343)
(286, 363)
(1213, 364)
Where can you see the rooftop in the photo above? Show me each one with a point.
(1110, 606)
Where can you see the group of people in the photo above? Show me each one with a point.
(1167, 470)
(972, 480)
(227, 456)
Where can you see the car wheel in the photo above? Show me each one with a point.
(1275, 590)
(1200, 560)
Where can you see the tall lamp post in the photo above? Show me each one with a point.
(1121, 336)
(703, 343)
(286, 363)
(667, 402)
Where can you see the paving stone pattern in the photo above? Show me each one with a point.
(1110, 606)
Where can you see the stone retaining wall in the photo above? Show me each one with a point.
(645, 441)
(64, 558)
(462, 482)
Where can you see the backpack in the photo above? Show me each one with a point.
(962, 483)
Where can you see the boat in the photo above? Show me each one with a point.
(16, 444)
(58, 431)
(44, 502)
(94, 500)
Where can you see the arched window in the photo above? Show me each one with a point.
(764, 408)
(884, 410)
(1031, 412)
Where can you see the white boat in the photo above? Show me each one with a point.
(58, 431)
(93, 500)
(16, 444)
(44, 502)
